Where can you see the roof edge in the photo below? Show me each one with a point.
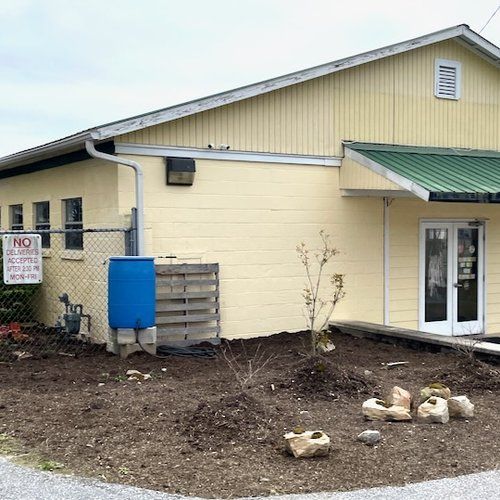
(429, 150)
(220, 99)
(102, 132)
(48, 150)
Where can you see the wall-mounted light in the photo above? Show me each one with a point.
(180, 171)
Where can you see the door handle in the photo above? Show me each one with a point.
(458, 285)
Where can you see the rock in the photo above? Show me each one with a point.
(399, 397)
(435, 389)
(22, 355)
(328, 347)
(369, 437)
(460, 406)
(434, 410)
(307, 444)
(377, 409)
(137, 375)
(396, 364)
(368, 373)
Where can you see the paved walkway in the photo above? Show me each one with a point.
(20, 483)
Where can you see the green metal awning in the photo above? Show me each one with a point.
(434, 174)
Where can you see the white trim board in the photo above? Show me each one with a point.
(377, 193)
(461, 33)
(216, 154)
(388, 174)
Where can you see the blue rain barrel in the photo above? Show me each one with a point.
(131, 292)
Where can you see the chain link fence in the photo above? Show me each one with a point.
(67, 312)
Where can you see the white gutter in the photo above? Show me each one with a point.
(217, 154)
(139, 187)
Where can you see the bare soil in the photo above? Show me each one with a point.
(192, 429)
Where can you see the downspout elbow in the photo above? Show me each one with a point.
(139, 186)
(92, 151)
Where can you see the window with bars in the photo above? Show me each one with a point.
(447, 79)
(41, 212)
(16, 217)
(73, 219)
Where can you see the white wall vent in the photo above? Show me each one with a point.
(447, 79)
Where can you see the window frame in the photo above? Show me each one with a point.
(70, 237)
(42, 225)
(458, 78)
(16, 226)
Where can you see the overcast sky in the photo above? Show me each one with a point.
(69, 65)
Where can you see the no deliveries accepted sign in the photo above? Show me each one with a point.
(22, 259)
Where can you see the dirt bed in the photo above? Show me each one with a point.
(192, 430)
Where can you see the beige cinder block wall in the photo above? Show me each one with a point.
(249, 217)
(405, 216)
(82, 274)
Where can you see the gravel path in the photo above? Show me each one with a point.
(20, 483)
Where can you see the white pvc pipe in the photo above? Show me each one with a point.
(387, 204)
(139, 187)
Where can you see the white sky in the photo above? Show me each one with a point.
(69, 65)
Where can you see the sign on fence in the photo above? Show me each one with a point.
(22, 259)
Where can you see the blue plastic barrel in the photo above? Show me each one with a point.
(131, 292)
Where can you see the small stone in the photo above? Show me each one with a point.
(460, 407)
(308, 444)
(435, 389)
(376, 409)
(328, 347)
(434, 410)
(137, 375)
(399, 397)
(367, 373)
(369, 437)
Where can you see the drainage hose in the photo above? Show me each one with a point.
(191, 352)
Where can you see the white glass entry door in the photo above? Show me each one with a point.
(451, 278)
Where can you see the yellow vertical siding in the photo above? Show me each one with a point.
(249, 217)
(390, 100)
(405, 216)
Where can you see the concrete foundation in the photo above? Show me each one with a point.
(126, 341)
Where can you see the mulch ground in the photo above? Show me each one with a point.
(193, 429)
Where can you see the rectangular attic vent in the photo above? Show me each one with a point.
(447, 79)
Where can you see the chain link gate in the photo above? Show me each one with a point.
(67, 312)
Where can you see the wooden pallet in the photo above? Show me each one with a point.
(187, 304)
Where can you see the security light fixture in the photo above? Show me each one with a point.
(180, 171)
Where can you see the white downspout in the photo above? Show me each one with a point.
(139, 187)
(387, 203)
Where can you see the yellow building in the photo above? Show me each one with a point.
(394, 152)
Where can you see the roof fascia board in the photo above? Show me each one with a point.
(49, 150)
(484, 48)
(388, 174)
(52, 161)
(210, 154)
(206, 103)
